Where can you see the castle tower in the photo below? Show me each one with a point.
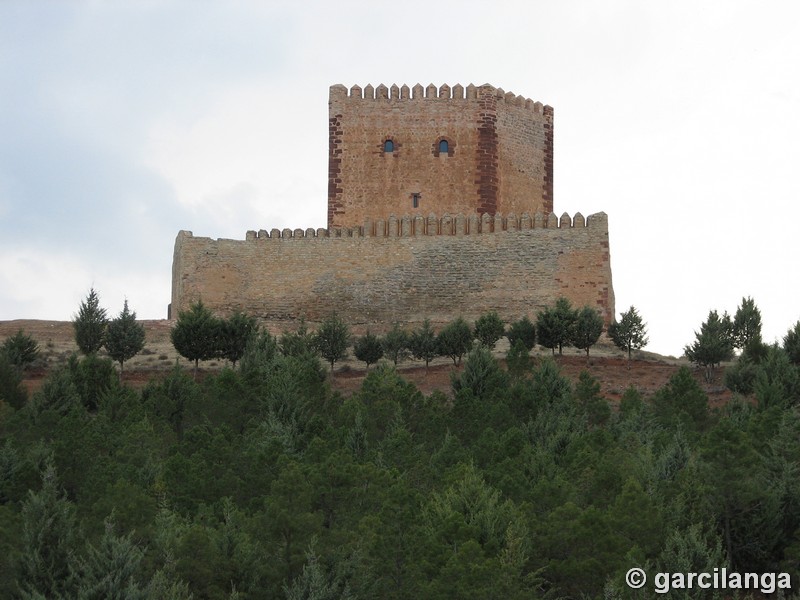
(428, 150)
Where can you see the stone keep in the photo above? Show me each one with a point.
(440, 204)
(452, 150)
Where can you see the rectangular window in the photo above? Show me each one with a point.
(415, 200)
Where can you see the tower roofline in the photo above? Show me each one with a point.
(431, 92)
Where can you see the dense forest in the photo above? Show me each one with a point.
(259, 481)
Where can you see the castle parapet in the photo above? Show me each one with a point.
(457, 92)
(433, 225)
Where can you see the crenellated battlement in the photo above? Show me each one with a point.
(446, 225)
(431, 92)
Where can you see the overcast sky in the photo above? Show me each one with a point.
(122, 123)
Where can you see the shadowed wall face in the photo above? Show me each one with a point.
(446, 150)
(401, 270)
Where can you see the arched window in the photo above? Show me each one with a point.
(443, 147)
(388, 146)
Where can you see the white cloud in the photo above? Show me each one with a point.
(243, 162)
(37, 283)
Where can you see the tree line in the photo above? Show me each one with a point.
(199, 335)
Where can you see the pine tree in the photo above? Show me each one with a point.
(395, 344)
(546, 329)
(235, 333)
(555, 325)
(488, 329)
(90, 324)
(591, 400)
(518, 359)
(791, 343)
(713, 345)
(332, 339)
(455, 340)
(423, 343)
(111, 569)
(12, 391)
(259, 354)
(523, 330)
(58, 392)
(124, 337)
(196, 334)
(368, 349)
(729, 464)
(681, 403)
(482, 375)
(172, 397)
(20, 350)
(746, 330)
(93, 376)
(299, 342)
(630, 333)
(316, 583)
(165, 585)
(48, 563)
(693, 550)
(777, 380)
(588, 327)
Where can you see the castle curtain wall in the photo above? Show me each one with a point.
(402, 270)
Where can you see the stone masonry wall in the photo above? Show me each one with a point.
(525, 154)
(500, 156)
(403, 270)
